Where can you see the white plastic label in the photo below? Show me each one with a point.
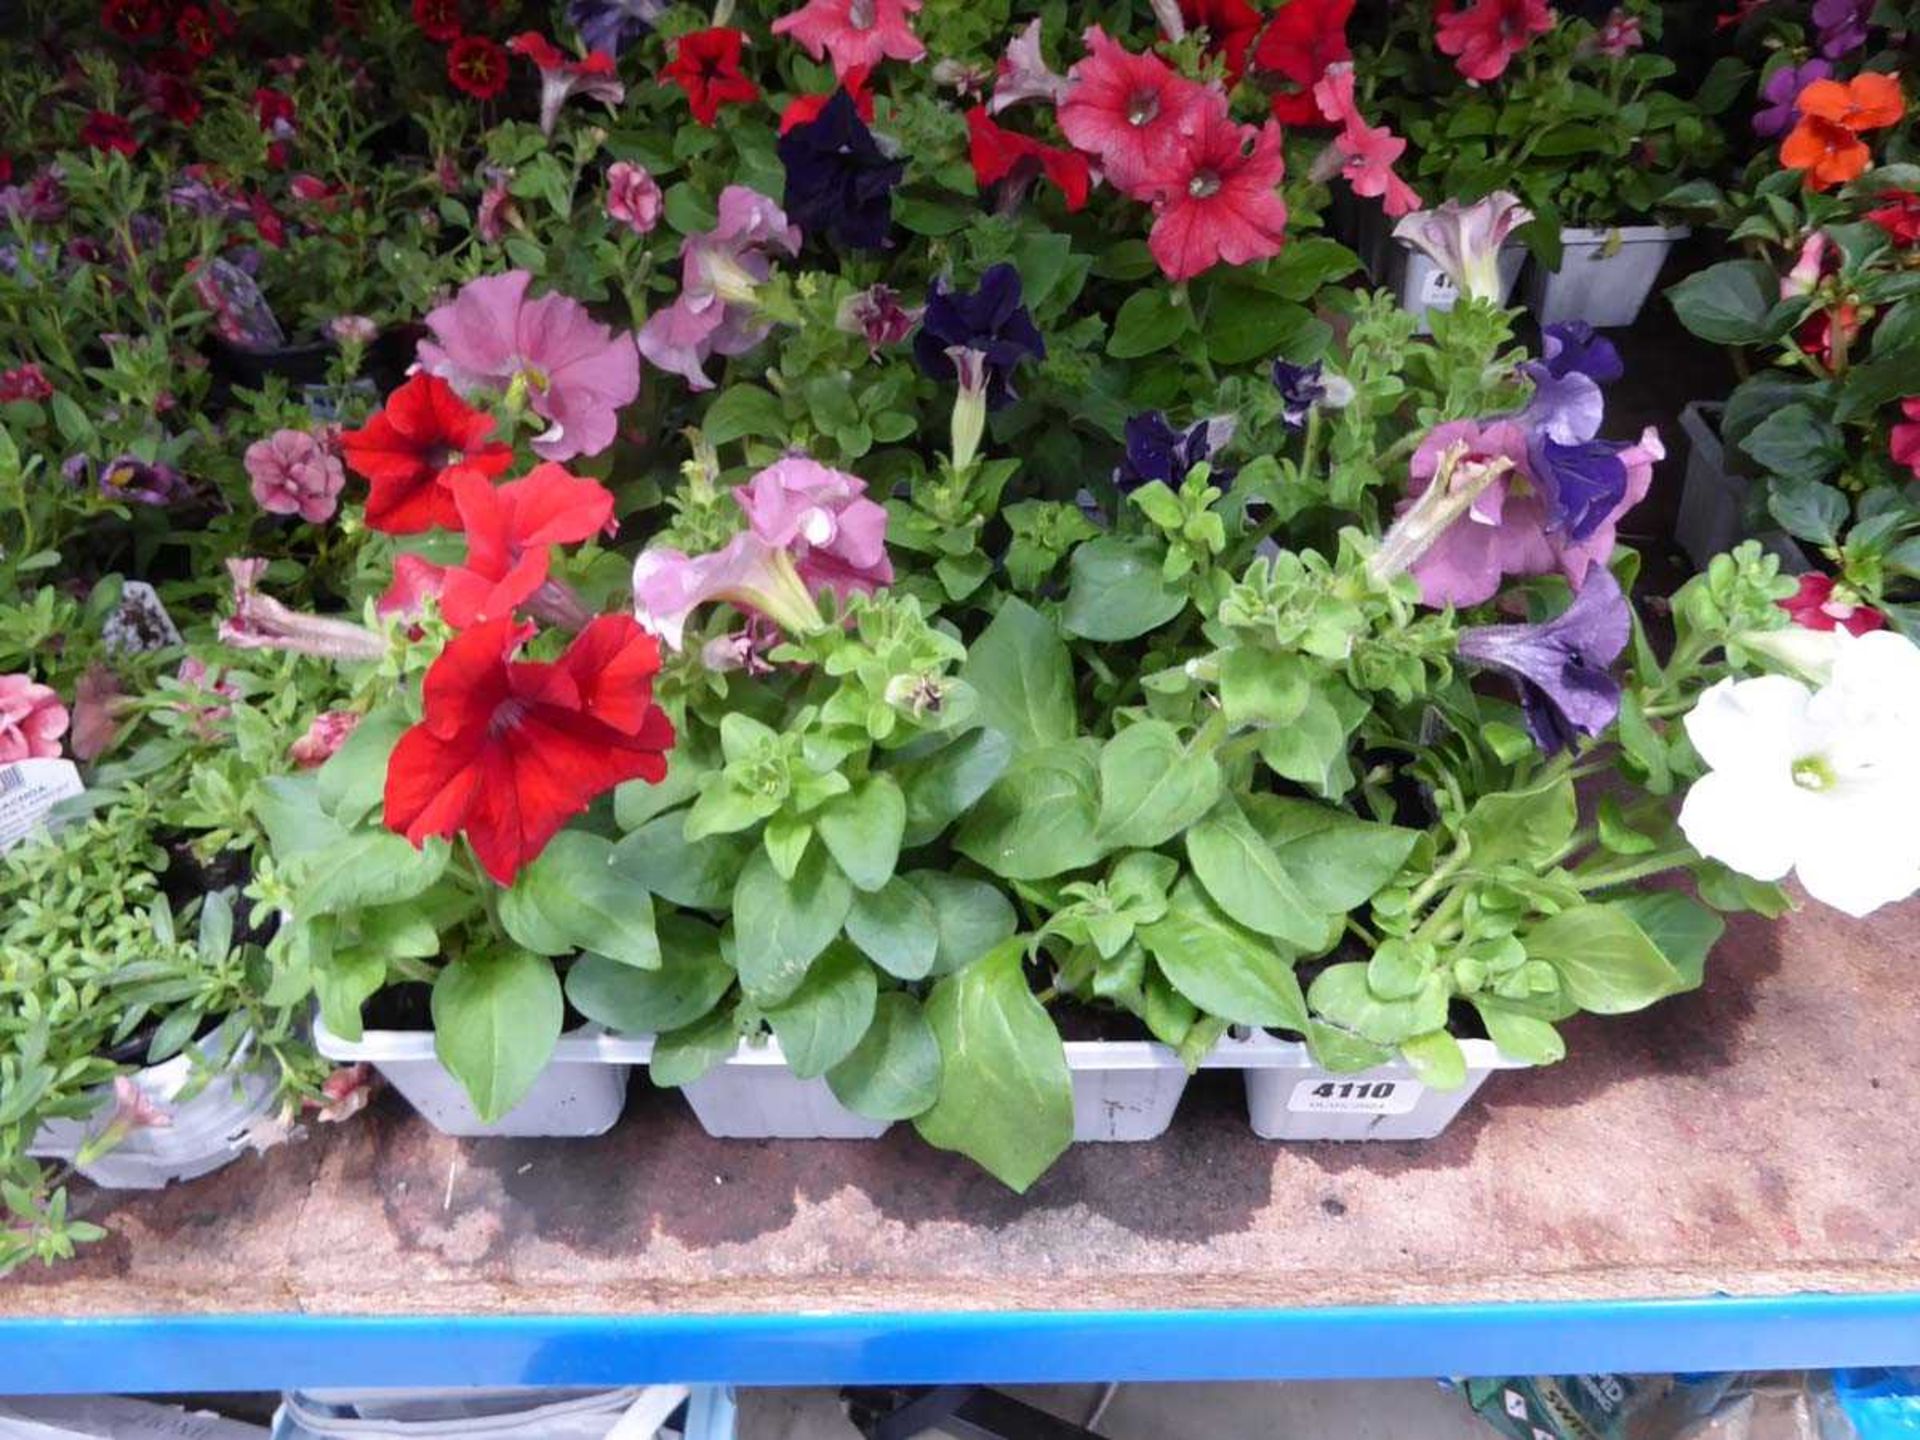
(28, 790)
(1437, 291)
(1326, 1095)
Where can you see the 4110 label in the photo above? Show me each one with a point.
(1323, 1096)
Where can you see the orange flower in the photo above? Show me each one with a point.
(1866, 102)
(1830, 154)
(1826, 143)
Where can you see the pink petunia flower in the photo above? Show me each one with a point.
(294, 473)
(1364, 154)
(854, 32)
(714, 314)
(496, 211)
(32, 720)
(576, 372)
(633, 197)
(561, 77)
(134, 1109)
(747, 573)
(1023, 74)
(1906, 436)
(1619, 35)
(1218, 202)
(328, 731)
(1134, 113)
(824, 520)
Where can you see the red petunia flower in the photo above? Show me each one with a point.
(413, 448)
(805, 109)
(132, 19)
(510, 531)
(272, 107)
(1899, 216)
(438, 19)
(478, 66)
(1219, 203)
(1484, 37)
(104, 131)
(1230, 26)
(999, 154)
(706, 64)
(510, 750)
(196, 32)
(1822, 605)
(1304, 39)
(266, 220)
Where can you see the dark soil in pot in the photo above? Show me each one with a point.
(409, 1006)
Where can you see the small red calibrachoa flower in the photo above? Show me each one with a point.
(132, 19)
(478, 66)
(438, 19)
(196, 32)
(1820, 604)
(706, 64)
(510, 750)
(272, 107)
(413, 448)
(109, 132)
(1899, 216)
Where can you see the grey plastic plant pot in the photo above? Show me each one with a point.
(1714, 498)
(581, 1092)
(206, 1132)
(1291, 1097)
(1605, 275)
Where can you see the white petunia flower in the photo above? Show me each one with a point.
(1825, 785)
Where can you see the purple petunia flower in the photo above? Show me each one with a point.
(978, 337)
(839, 184)
(1783, 87)
(613, 25)
(1157, 451)
(128, 478)
(1842, 25)
(42, 200)
(1576, 348)
(1561, 666)
(1584, 482)
(715, 314)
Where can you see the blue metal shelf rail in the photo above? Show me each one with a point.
(201, 1353)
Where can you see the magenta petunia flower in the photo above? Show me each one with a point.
(293, 473)
(854, 33)
(715, 314)
(576, 373)
(32, 720)
(823, 518)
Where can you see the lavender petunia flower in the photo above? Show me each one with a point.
(1561, 666)
(1465, 240)
(614, 25)
(1783, 87)
(987, 331)
(1157, 451)
(839, 184)
(719, 271)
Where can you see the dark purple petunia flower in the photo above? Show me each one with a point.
(613, 25)
(839, 183)
(1301, 388)
(1576, 348)
(1583, 482)
(987, 330)
(1783, 87)
(41, 201)
(1157, 451)
(1561, 665)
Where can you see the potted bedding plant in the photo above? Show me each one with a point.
(1818, 440)
(1577, 113)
